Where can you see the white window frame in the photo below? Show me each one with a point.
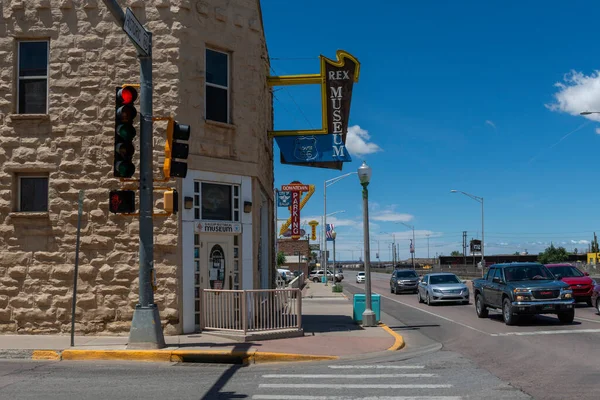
(206, 83)
(19, 77)
(19, 191)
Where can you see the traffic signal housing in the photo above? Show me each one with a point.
(121, 201)
(171, 201)
(125, 113)
(175, 149)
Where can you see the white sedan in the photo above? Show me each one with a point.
(360, 277)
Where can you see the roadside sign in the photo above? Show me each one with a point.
(136, 32)
(295, 187)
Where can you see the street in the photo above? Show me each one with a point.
(567, 354)
(438, 376)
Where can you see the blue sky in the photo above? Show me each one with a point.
(482, 97)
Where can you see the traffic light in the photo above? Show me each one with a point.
(121, 201)
(174, 148)
(171, 201)
(125, 114)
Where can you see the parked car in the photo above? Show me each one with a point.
(523, 289)
(286, 274)
(442, 287)
(596, 297)
(317, 275)
(360, 277)
(404, 280)
(581, 283)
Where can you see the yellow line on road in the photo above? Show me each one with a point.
(398, 339)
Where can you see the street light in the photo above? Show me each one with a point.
(326, 184)
(480, 200)
(393, 248)
(428, 234)
(325, 244)
(333, 236)
(412, 253)
(364, 175)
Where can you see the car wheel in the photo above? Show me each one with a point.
(507, 312)
(396, 290)
(419, 296)
(315, 280)
(480, 308)
(566, 317)
(427, 299)
(589, 301)
(598, 305)
(391, 289)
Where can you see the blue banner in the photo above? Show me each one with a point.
(314, 149)
(284, 199)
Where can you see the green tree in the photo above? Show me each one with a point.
(595, 248)
(517, 253)
(553, 254)
(280, 259)
(456, 253)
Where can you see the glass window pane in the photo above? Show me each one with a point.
(216, 202)
(216, 104)
(197, 306)
(196, 200)
(235, 240)
(196, 239)
(236, 202)
(197, 213)
(197, 266)
(196, 187)
(236, 190)
(196, 252)
(33, 58)
(216, 67)
(34, 194)
(236, 215)
(32, 96)
(197, 319)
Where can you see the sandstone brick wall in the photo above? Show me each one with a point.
(73, 144)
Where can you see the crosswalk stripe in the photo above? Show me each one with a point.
(306, 397)
(351, 386)
(349, 376)
(376, 366)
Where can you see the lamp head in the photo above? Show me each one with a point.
(333, 235)
(453, 191)
(364, 173)
(585, 113)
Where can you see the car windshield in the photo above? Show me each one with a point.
(527, 273)
(441, 279)
(406, 274)
(361, 274)
(566, 271)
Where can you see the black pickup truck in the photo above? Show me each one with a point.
(523, 289)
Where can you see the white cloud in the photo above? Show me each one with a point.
(390, 216)
(580, 241)
(578, 93)
(490, 123)
(357, 142)
(598, 131)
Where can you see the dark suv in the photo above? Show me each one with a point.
(404, 280)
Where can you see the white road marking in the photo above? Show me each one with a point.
(350, 376)
(377, 366)
(439, 316)
(351, 386)
(557, 332)
(308, 397)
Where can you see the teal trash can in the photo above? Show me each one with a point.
(359, 305)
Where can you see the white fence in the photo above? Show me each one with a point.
(247, 311)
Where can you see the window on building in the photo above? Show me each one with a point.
(217, 86)
(33, 193)
(32, 88)
(216, 201)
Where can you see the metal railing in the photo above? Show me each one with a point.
(247, 311)
(297, 282)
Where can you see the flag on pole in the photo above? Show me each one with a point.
(328, 230)
(412, 247)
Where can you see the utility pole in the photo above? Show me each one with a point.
(146, 329)
(465, 248)
(428, 247)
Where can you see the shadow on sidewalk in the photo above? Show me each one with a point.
(215, 391)
(328, 323)
(413, 327)
(236, 346)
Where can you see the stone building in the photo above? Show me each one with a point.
(60, 63)
(297, 253)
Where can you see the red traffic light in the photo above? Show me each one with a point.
(127, 95)
(122, 201)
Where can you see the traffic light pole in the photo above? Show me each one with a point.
(146, 329)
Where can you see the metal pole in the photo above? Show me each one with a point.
(146, 329)
(75, 272)
(368, 317)
(414, 247)
(325, 230)
(482, 240)
(333, 269)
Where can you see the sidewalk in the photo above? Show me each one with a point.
(329, 333)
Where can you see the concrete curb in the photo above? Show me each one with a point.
(399, 340)
(198, 356)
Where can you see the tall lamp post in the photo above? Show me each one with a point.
(480, 200)
(414, 246)
(326, 184)
(427, 234)
(325, 246)
(364, 175)
(333, 236)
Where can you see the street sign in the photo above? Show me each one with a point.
(314, 247)
(136, 32)
(284, 199)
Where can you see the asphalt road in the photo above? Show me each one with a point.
(438, 376)
(540, 356)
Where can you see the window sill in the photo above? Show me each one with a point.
(220, 124)
(23, 214)
(29, 117)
